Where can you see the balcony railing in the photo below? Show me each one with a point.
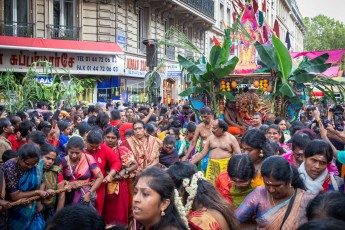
(18, 29)
(205, 6)
(64, 32)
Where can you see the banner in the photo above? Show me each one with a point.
(73, 63)
(335, 56)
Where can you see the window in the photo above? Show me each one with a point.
(169, 50)
(64, 20)
(16, 18)
(64, 13)
(221, 16)
(228, 15)
(143, 27)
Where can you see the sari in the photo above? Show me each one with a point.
(117, 204)
(145, 152)
(83, 171)
(51, 179)
(233, 196)
(202, 220)
(215, 167)
(21, 217)
(258, 204)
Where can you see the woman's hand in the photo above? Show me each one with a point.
(74, 185)
(5, 204)
(51, 192)
(120, 175)
(108, 179)
(87, 197)
(42, 193)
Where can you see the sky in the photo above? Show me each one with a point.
(331, 8)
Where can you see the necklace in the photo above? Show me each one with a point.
(272, 199)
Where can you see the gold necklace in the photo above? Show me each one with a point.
(274, 204)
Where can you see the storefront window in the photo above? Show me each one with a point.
(132, 90)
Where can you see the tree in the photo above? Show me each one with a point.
(324, 33)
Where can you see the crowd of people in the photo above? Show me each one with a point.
(137, 166)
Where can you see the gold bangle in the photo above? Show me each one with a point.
(36, 193)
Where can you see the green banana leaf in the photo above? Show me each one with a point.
(223, 71)
(268, 55)
(215, 54)
(286, 90)
(225, 53)
(284, 59)
(191, 90)
(303, 77)
(316, 65)
(191, 67)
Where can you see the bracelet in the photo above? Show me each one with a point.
(36, 193)
(126, 171)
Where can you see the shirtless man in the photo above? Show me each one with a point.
(221, 145)
(232, 117)
(203, 129)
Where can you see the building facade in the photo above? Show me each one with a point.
(125, 23)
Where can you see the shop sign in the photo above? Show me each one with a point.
(73, 63)
(136, 67)
(44, 80)
(121, 38)
(173, 70)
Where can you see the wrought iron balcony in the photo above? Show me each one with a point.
(17, 29)
(205, 6)
(64, 32)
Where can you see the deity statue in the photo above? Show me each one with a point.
(246, 46)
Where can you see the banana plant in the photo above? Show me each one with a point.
(278, 59)
(206, 75)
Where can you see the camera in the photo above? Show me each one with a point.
(338, 117)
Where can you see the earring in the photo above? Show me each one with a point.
(261, 153)
(162, 213)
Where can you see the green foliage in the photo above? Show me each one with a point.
(206, 74)
(23, 91)
(279, 60)
(284, 60)
(324, 33)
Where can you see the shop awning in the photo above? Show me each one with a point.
(53, 45)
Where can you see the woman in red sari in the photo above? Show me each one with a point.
(106, 160)
(117, 199)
